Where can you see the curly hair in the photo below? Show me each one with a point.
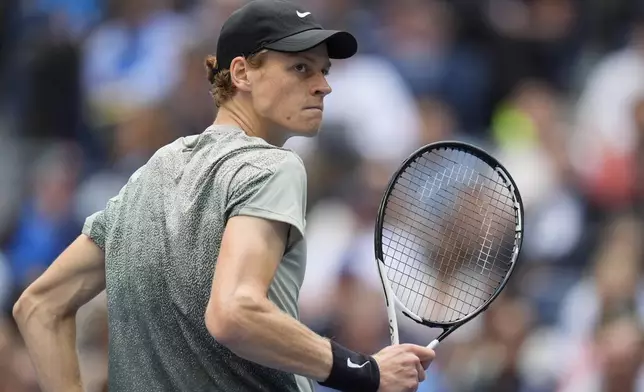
(222, 88)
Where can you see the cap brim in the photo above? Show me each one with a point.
(340, 44)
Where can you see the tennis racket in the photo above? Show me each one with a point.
(448, 234)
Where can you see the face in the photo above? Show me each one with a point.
(288, 90)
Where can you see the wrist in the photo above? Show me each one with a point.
(352, 371)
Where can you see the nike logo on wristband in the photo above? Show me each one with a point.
(355, 365)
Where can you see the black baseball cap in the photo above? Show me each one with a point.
(277, 25)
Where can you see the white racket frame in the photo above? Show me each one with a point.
(392, 303)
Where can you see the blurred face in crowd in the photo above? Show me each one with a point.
(622, 346)
(617, 269)
(638, 115)
(136, 12)
(637, 38)
(287, 91)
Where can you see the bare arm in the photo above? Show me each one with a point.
(46, 313)
(239, 314)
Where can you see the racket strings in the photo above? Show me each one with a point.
(459, 283)
(446, 251)
(482, 186)
(448, 235)
(417, 222)
(403, 201)
(460, 251)
(419, 278)
(402, 211)
(445, 160)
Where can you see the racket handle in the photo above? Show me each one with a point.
(433, 344)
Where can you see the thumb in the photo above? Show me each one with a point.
(423, 353)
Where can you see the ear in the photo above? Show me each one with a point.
(239, 74)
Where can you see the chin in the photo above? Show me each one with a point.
(309, 129)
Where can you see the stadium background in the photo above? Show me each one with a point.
(554, 88)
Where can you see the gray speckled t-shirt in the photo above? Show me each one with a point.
(161, 236)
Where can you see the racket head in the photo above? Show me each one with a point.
(441, 151)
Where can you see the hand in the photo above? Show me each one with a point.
(402, 367)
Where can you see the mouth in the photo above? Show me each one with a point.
(320, 108)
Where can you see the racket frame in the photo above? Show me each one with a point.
(391, 301)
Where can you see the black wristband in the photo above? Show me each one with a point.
(352, 372)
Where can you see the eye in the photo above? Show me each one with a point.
(325, 72)
(302, 68)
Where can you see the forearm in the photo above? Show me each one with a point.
(262, 333)
(51, 344)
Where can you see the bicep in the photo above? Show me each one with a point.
(266, 211)
(73, 279)
(251, 250)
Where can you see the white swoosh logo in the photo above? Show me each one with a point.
(302, 14)
(355, 365)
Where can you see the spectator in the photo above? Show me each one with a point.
(133, 60)
(606, 131)
(46, 224)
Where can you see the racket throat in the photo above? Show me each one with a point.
(433, 344)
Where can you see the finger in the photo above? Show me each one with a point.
(423, 353)
(415, 385)
(414, 388)
(421, 372)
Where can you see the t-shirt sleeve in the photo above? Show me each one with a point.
(278, 195)
(97, 226)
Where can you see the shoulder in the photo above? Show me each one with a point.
(271, 184)
(287, 161)
(253, 157)
(256, 167)
(232, 147)
(270, 158)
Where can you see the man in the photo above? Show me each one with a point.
(227, 203)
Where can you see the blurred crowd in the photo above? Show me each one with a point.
(89, 89)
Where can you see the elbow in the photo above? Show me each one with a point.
(30, 306)
(222, 327)
(25, 307)
(230, 323)
(18, 310)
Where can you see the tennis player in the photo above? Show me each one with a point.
(202, 253)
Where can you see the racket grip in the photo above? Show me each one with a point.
(433, 344)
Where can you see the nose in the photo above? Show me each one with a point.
(322, 87)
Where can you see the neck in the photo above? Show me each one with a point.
(237, 115)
